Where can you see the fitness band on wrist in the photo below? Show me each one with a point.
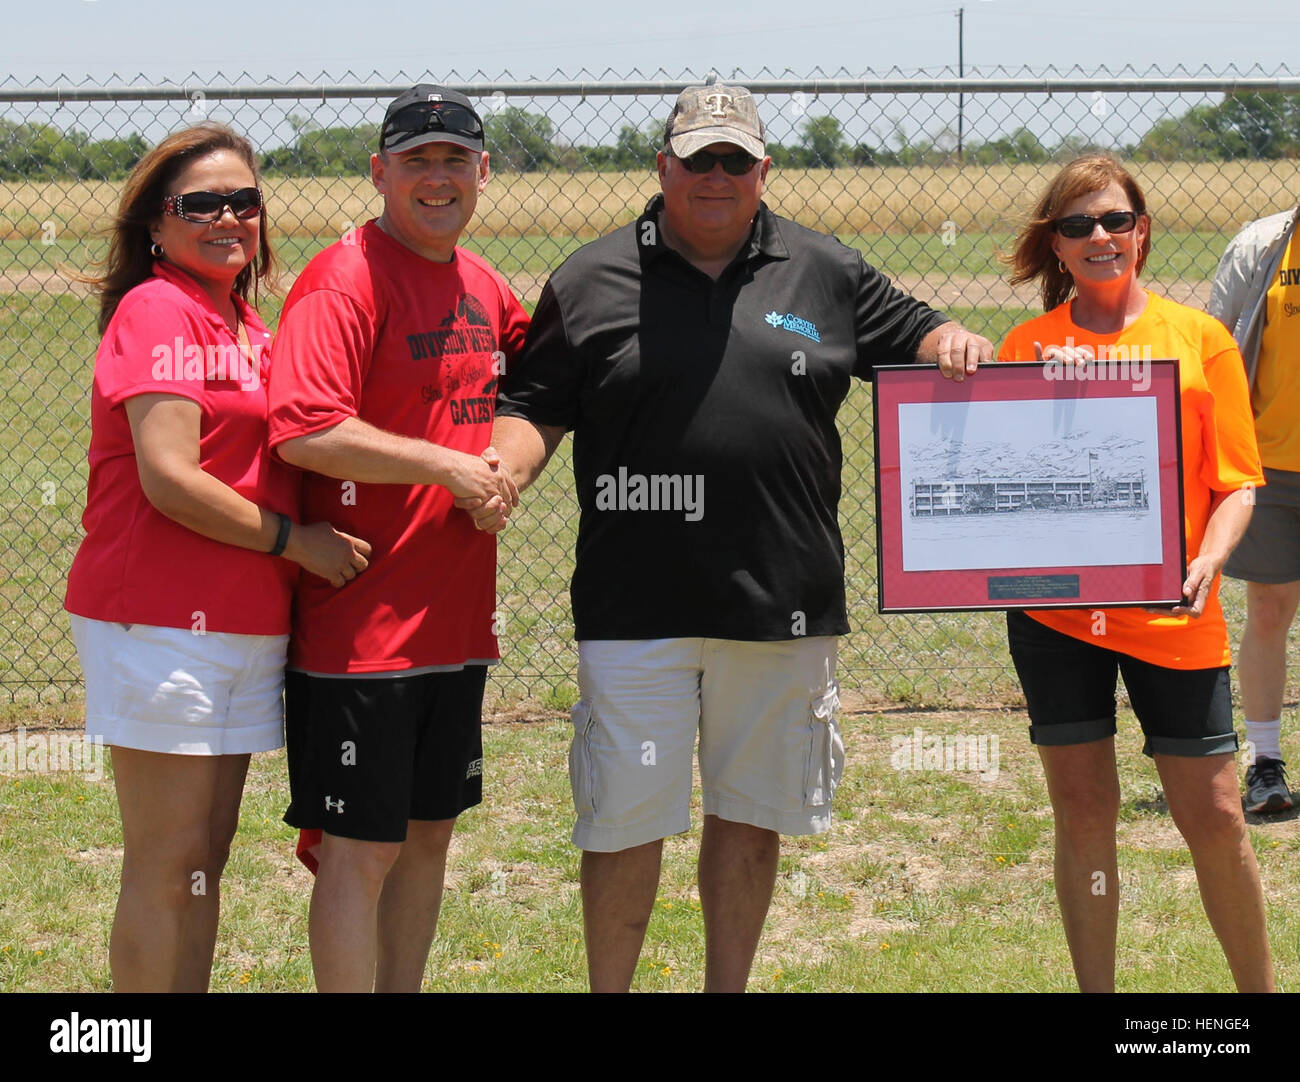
(282, 538)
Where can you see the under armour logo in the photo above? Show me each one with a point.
(334, 805)
(719, 101)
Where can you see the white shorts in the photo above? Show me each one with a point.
(770, 749)
(168, 689)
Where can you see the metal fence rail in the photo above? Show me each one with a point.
(928, 176)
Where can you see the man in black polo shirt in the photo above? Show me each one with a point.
(699, 356)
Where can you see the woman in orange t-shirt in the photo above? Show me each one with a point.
(1088, 240)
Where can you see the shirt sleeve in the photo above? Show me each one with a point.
(1231, 452)
(322, 355)
(151, 346)
(1231, 283)
(545, 384)
(889, 323)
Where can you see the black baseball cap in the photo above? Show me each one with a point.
(430, 114)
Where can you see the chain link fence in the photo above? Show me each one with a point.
(928, 177)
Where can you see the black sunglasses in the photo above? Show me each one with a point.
(202, 207)
(1082, 225)
(426, 116)
(735, 163)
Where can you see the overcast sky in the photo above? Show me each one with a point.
(46, 39)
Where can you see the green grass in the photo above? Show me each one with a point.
(47, 348)
(1190, 256)
(48, 345)
(927, 881)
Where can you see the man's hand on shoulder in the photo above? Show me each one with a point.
(957, 351)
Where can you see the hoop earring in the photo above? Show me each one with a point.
(1060, 264)
(155, 250)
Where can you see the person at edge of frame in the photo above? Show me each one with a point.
(699, 356)
(391, 346)
(1256, 295)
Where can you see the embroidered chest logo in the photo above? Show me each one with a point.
(792, 322)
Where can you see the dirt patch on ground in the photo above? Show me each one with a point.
(40, 281)
(98, 855)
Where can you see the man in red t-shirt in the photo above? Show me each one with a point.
(389, 351)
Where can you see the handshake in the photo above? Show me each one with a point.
(487, 491)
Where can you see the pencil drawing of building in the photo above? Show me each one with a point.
(991, 495)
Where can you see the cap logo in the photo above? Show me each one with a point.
(435, 97)
(719, 101)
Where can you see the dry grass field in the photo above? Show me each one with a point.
(1184, 197)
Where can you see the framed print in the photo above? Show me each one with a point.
(1022, 487)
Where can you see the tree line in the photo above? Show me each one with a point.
(1244, 125)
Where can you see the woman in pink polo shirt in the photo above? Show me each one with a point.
(180, 591)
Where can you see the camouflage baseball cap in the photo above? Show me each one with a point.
(714, 114)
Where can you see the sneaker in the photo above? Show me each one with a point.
(1266, 787)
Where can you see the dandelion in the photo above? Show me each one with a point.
(498, 954)
(668, 905)
(777, 975)
(884, 946)
(1001, 859)
(39, 953)
(244, 978)
(668, 971)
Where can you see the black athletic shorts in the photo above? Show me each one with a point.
(367, 755)
(1069, 685)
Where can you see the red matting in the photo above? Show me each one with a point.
(1053, 583)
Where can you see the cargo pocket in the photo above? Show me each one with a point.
(825, 749)
(581, 772)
